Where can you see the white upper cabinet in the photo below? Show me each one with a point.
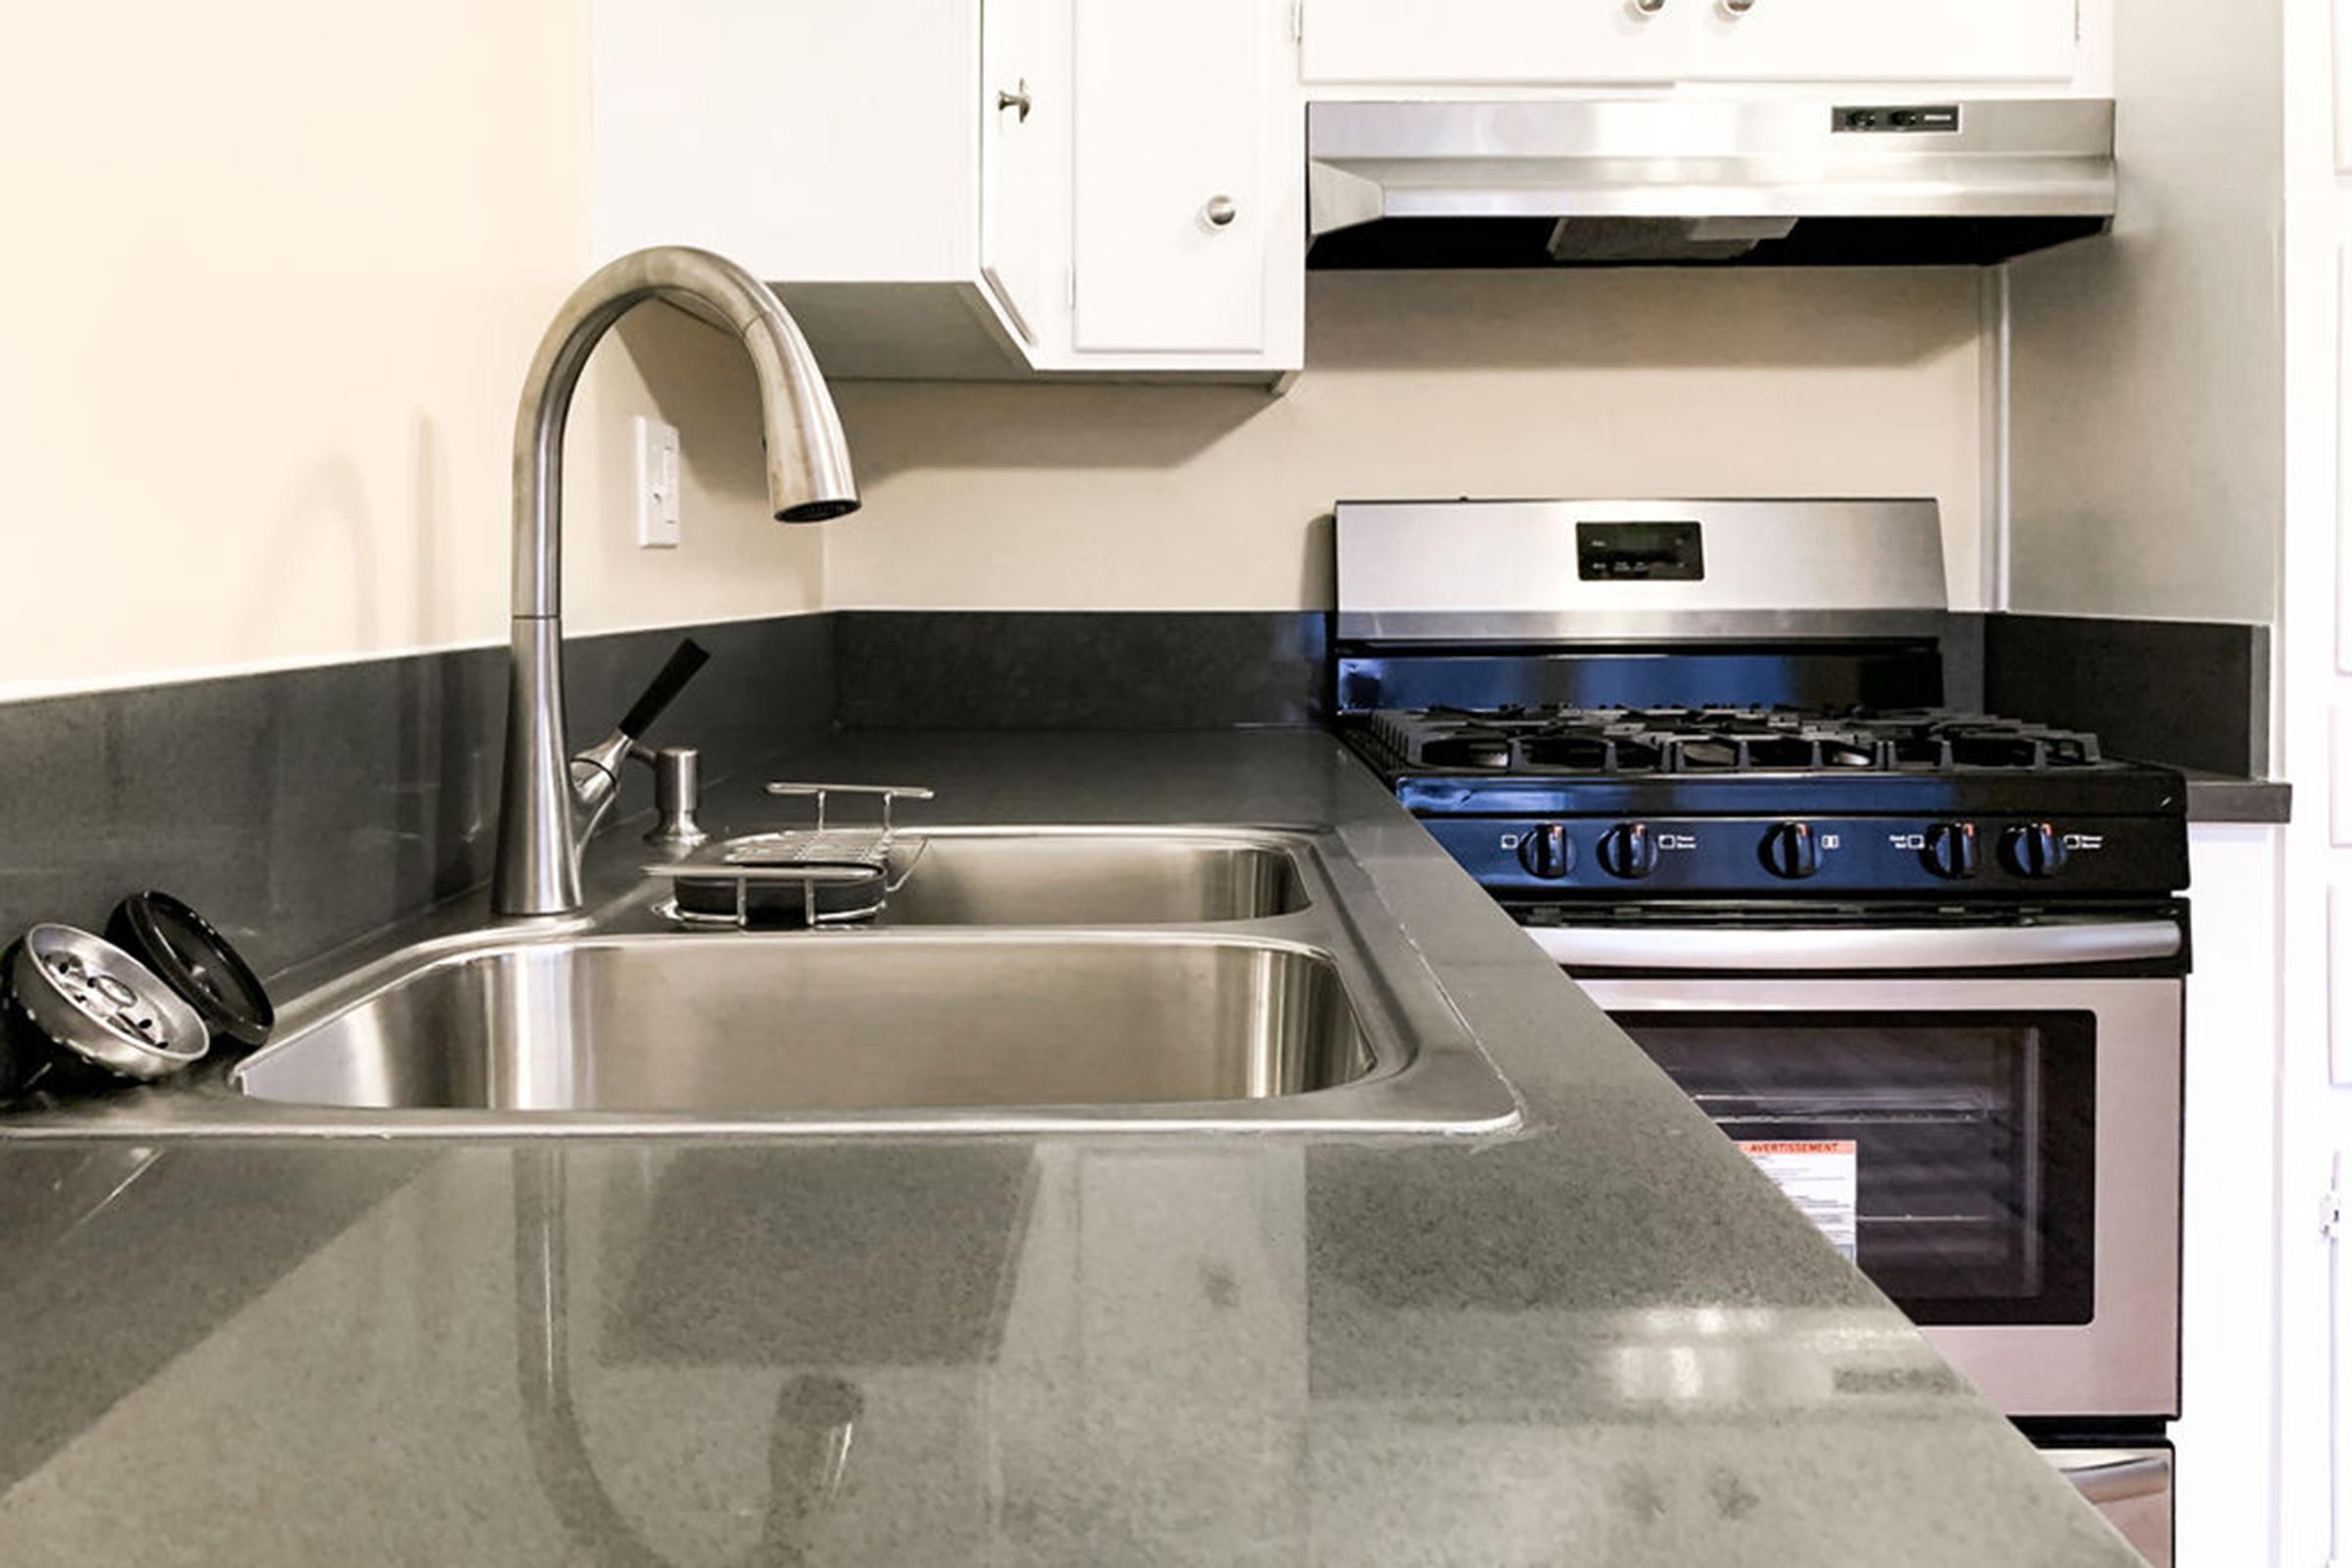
(1171, 223)
(973, 188)
(807, 140)
(1469, 44)
(1450, 42)
(1002, 188)
(1881, 41)
(1024, 150)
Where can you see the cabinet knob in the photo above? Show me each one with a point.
(1219, 211)
(1736, 9)
(1017, 98)
(1647, 8)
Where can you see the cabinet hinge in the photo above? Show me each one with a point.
(2331, 1215)
(1299, 20)
(1070, 292)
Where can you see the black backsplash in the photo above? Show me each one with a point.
(301, 809)
(306, 808)
(2187, 694)
(1080, 670)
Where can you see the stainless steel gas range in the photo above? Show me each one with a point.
(1925, 965)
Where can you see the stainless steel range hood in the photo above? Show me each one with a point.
(1793, 181)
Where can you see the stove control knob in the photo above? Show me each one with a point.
(1792, 851)
(1546, 851)
(1952, 851)
(1629, 851)
(2033, 850)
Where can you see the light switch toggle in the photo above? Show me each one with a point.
(658, 508)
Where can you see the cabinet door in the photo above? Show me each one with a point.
(1462, 42)
(1024, 156)
(1168, 226)
(1884, 40)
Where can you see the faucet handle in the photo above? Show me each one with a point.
(683, 666)
(596, 771)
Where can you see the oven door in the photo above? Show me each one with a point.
(2006, 1147)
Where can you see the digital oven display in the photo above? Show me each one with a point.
(1639, 552)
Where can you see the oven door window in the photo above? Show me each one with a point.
(1974, 1140)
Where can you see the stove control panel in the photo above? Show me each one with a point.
(1818, 857)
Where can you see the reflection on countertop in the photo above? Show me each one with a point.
(1600, 1339)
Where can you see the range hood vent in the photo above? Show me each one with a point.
(1683, 181)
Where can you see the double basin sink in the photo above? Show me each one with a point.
(1020, 979)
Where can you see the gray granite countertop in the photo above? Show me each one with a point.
(1602, 1339)
(2222, 797)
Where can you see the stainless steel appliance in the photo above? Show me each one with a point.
(2012, 1127)
(1778, 181)
(1924, 965)
(2131, 1487)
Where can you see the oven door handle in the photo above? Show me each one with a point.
(1838, 948)
(2107, 1477)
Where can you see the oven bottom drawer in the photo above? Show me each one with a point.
(2131, 1487)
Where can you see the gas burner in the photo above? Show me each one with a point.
(1606, 741)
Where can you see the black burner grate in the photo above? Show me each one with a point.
(1726, 740)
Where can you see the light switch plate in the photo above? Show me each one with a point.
(2340, 982)
(658, 512)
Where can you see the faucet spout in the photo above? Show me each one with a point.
(808, 480)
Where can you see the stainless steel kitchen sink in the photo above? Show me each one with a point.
(1090, 878)
(763, 1025)
(1049, 979)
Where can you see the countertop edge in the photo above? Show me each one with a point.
(2220, 798)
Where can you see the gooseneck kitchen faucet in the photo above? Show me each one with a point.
(808, 480)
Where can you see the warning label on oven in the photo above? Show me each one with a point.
(1819, 1177)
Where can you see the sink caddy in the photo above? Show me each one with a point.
(824, 874)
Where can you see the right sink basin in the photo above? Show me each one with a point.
(1090, 879)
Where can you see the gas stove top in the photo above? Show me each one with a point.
(1558, 739)
(1643, 702)
(1570, 802)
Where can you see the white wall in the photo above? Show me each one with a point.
(274, 270)
(2314, 1329)
(2147, 370)
(2226, 1441)
(1585, 383)
(258, 378)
